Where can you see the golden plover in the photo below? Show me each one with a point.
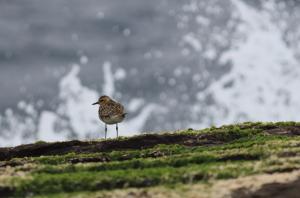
(110, 112)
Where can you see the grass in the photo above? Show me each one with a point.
(230, 151)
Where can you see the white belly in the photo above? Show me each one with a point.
(113, 119)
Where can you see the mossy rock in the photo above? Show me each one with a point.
(175, 164)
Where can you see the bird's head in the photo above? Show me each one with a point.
(102, 100)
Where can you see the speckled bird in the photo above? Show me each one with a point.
(110, 112)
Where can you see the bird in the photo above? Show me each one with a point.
(110, 112)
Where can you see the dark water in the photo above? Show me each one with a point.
(40, 39)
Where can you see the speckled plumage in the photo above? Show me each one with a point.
(110, 112)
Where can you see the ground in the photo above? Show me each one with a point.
(242, 160)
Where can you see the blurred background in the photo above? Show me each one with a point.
(173, 64)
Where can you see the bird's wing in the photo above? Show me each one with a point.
(112, 108)
(118, 109)
(105, 111)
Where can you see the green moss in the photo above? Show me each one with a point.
(91, 181)
(237, 150)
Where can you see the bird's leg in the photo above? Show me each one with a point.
(105, 130)
(117, 129)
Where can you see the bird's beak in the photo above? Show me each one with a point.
(95, 103)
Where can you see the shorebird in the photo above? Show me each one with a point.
(110, 112)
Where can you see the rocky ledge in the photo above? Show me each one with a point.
(241, 160)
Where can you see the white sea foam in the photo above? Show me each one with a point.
(264, 76)
(262, 85)
(75, 117)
